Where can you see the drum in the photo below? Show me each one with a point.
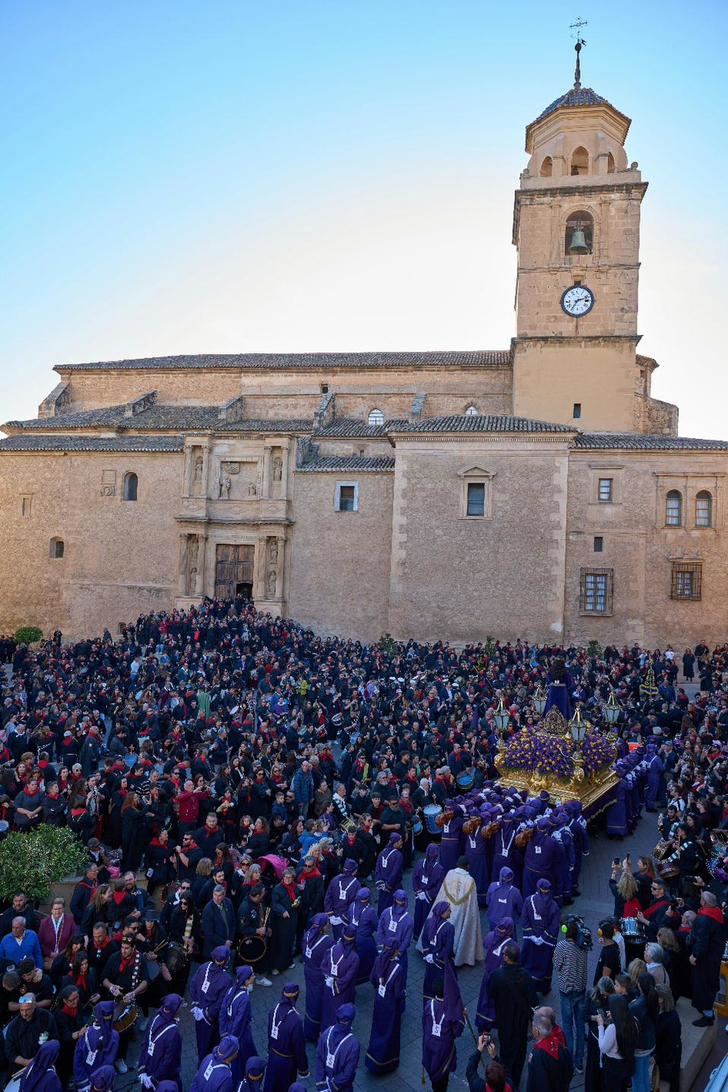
(630, 927)
(175, 957)
(431, 813)
(153, 970)
(252, 949)
(125, 1016)
(465, 780)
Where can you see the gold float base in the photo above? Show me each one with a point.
(594, 795)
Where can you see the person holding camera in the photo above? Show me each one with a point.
(495, 1075)
(570, 967)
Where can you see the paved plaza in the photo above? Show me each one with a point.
(595, 902)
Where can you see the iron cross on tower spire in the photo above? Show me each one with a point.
(576, 33)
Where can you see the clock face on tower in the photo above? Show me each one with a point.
(577, 300)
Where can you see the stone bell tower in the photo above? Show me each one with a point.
(576, 225)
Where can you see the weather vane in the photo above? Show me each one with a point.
(576, 33)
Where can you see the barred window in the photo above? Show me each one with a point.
(596, 591)
(704, 509)
(605, 490)
(687, 580)
(673, 508)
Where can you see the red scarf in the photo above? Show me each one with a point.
(127, 963)
(82, 983)
(290, 889)
(550, 1045)
(72, 1012)
(712, 912)
(314, 874)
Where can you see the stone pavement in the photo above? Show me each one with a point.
(595, 902)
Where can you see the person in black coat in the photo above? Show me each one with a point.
(550, 1068)
(706, 951)
(668, 1045)
(218, 923)
(512, 990)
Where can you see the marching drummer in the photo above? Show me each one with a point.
(254, 933)
(126, 978)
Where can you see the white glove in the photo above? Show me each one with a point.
(329, 981)
(429, 958)
(421, 895)
(146, 1081)
(197, 1012)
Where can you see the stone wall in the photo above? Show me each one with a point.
(338, 575)
(119, 557)
(460, 579)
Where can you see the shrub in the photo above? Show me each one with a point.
(32, 862)
(28, 635)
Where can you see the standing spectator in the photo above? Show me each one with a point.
(550, 1066)
(668, 1044)
(570, 968)
(617, 1040)
(18, 943)
(512, 990)
(27, 1031)
(644, 1009)
(303, 788)
(706, 952)
(55, 931)
(608, 963)
(218, 923)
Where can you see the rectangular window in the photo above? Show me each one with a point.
(476, 499)
(596, 591)
(605, 490)
(687, 580)
(577, 411)
(347, 497)
(598, 544)
(26, 505)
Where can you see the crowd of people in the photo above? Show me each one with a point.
(251, 794)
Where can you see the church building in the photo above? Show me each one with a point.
(534, 491)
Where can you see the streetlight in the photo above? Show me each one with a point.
(577, 726)
(611, 709)
(501, 716)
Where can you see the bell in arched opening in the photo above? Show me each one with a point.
(578, 243)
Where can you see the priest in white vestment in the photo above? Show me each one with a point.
(460, 891)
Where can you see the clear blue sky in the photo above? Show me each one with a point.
(183, 177)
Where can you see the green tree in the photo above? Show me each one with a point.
(32, 862)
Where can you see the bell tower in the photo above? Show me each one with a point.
(576, 224)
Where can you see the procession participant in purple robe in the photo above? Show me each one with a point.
(337, 1054)
(389, 983)
(503, 899)
(438, 940)
(493, 946)
(617, 814)
(388, 871)
(340, 894)
(396, 927)
(451, 842)
(476, 852)
(297, 1087)
(541, 924)
(364, 918)
(215, 1072)
(254, 1074)
(98, 1047)
(316, 943)
(207, 990)
(161, 1054)
(102, 1079)
(580, 836)
(426, 880)
(655, 779)
(340, 967)
(40, 1075)
(236, 1018)
(504, 854)
(442, 1025)
(286, 1044)
(538, 862)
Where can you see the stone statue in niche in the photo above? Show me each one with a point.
(225, 486)
(252, 490)
(271, 583)
(273, 552)
(197, 472)
(193, 551)
(277, 468)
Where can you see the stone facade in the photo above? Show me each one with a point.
(536, 491)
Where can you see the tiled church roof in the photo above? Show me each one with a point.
(476, 358)
(481, 423)
(353, 463)
(157, 418)
(92, 443)
(635, 441)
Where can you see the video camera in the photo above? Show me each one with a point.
(583, 938)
